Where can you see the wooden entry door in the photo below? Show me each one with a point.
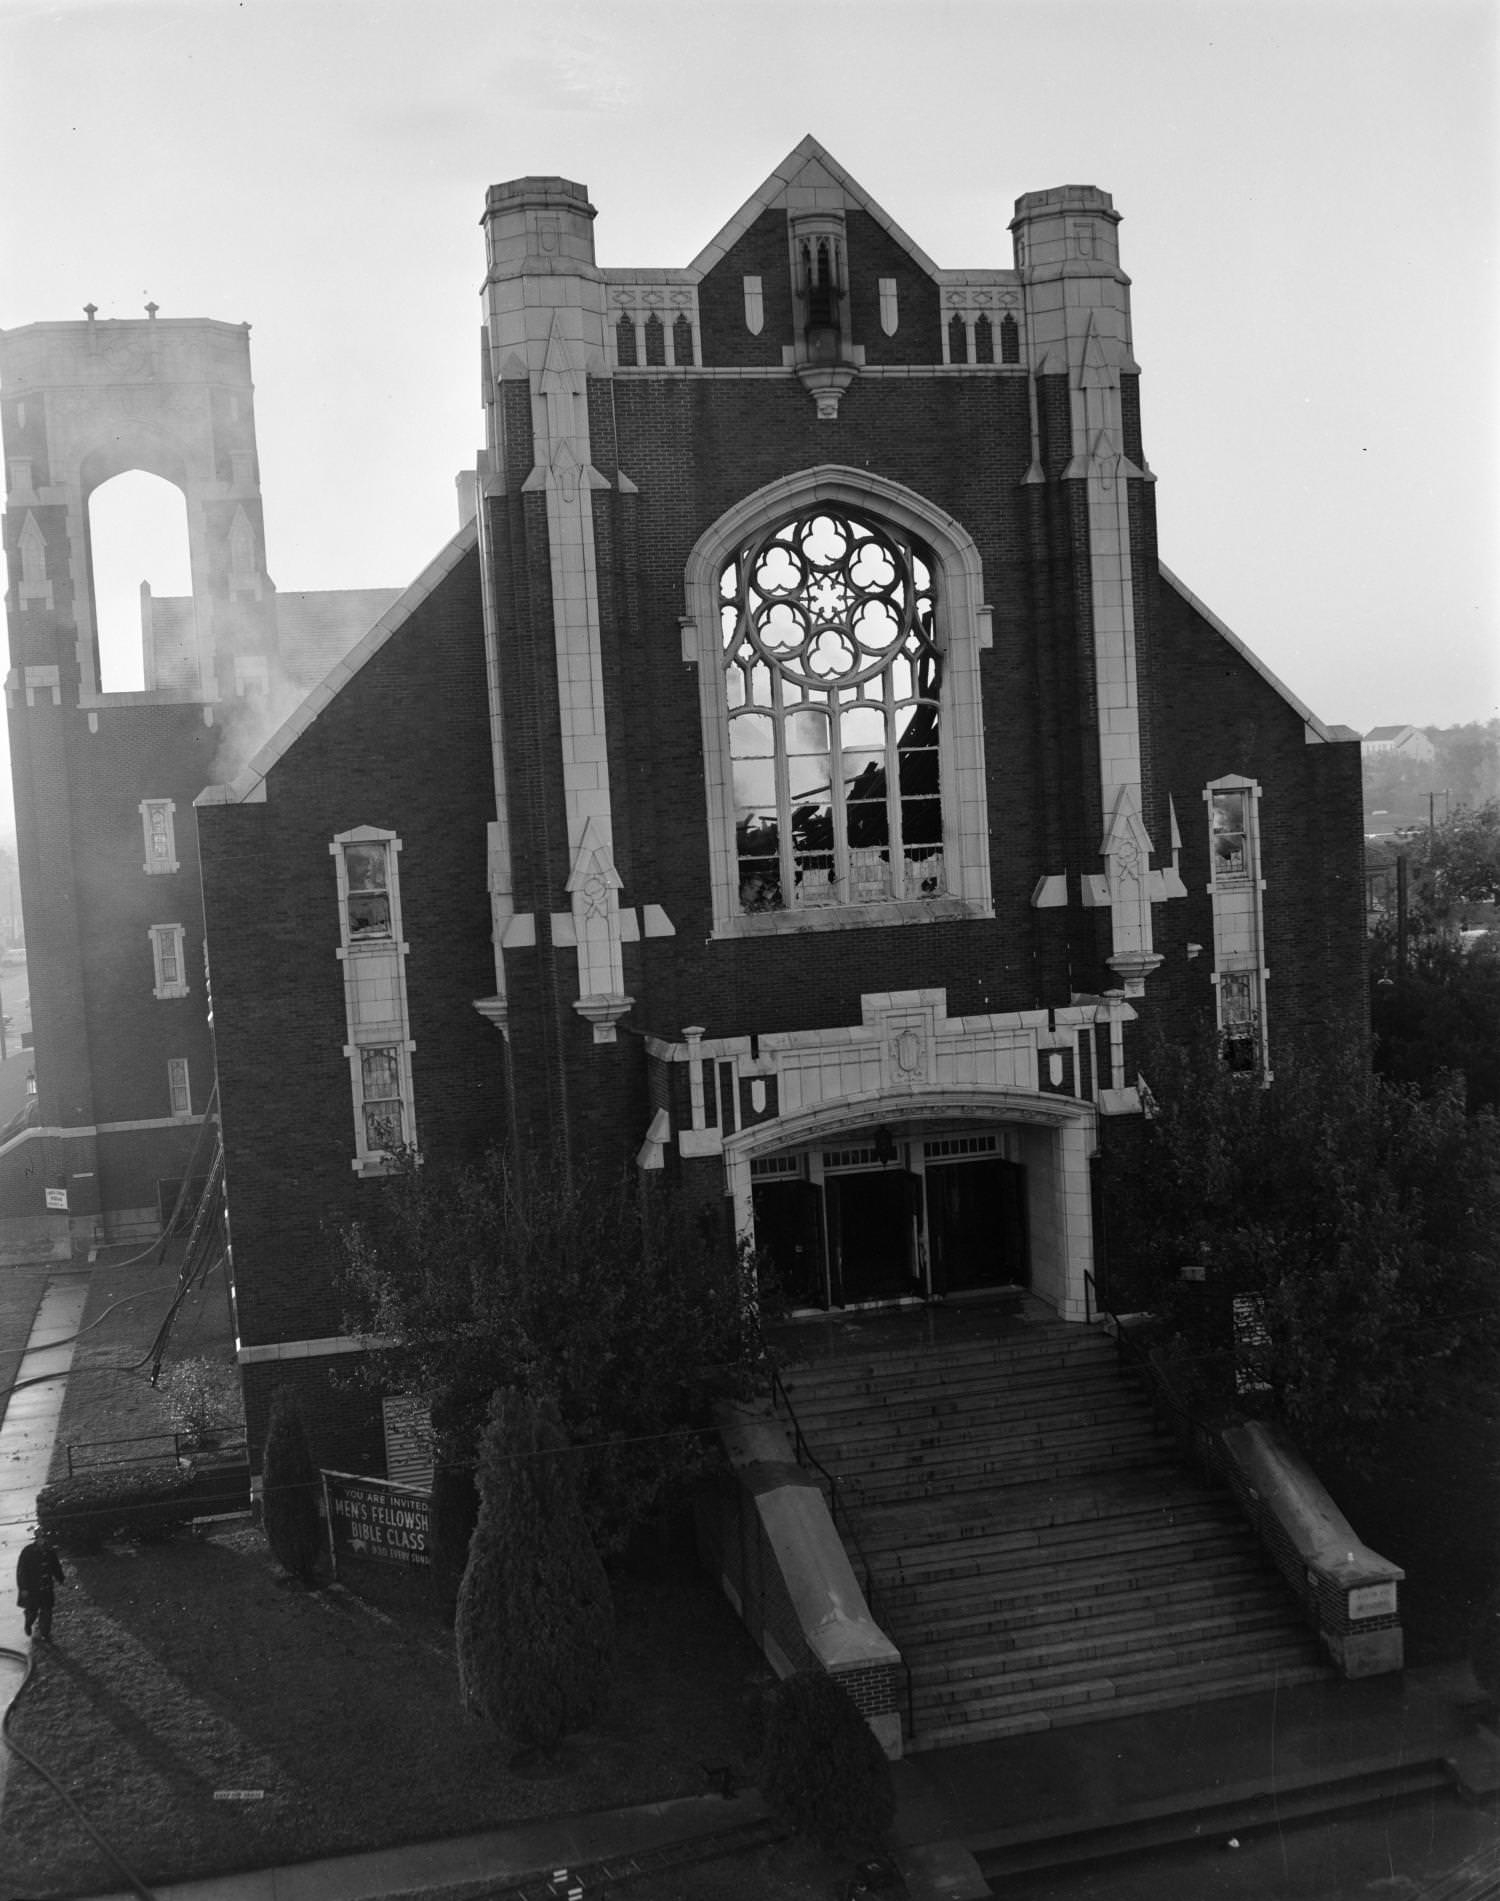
(874, 1225)
(976, 1225)
(789, 1231)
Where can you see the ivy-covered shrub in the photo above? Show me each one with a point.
(135, 1502)
(204, 1399)
(821, 1766)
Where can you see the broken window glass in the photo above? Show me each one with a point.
(369, 899)
(832, 678)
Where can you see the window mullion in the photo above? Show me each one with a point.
(784, 842)
(836, 801)
(897, 846)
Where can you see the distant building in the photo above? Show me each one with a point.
(1406, 742)
(104, 780)
(799, 775)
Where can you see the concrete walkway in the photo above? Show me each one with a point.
(28, 1432)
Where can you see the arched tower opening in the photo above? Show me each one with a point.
(138, 555)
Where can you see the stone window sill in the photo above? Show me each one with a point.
(850, 917)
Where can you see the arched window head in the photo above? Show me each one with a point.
(833, 688)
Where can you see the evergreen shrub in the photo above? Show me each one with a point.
(289, 1491)
(821, 1766)
(535, 1622)
(455, 1509)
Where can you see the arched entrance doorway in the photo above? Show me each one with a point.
(855, 1208)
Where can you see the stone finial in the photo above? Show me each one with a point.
(90, 311)
(151, 310)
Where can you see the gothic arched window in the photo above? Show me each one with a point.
(833, 686)
(836, 621)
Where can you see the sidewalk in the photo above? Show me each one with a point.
(28, 1430)
(499, 1856)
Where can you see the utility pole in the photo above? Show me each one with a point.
(1400, 916)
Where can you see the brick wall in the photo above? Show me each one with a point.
(404, 747)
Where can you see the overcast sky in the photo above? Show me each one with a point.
(1309, 193)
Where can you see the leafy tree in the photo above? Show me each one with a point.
(289, 1491)
(1456, 863)
(1364, 1215)
(822, 1767)
(1437, 1017)
(606, 1296)
(535, 1623)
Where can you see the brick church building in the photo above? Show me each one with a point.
(799, 774)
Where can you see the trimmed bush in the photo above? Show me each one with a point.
(289, 1491)
(455, 1510)
(134, 1502)
(822, 1768)
(535, 1622)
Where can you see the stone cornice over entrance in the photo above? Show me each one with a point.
(906, 1053)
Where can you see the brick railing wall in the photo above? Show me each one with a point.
(765, 1532)
(1350, 1594)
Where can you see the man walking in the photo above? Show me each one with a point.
(38, 1572)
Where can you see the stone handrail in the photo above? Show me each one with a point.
(783, 1566)
(1351, 1590)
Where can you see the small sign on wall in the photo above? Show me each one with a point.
(57, 1198)
(408, 1441)
(1372, 1600)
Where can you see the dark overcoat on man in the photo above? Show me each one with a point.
(38, 1573)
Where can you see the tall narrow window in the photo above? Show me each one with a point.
(833, 682)
(1236, 890)
(179, 1090)
(378, 1049)
(167, 960)
(159, 835)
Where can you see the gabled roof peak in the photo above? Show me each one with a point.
(809, 178)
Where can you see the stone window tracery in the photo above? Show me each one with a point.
(892, 628)
(832, 681)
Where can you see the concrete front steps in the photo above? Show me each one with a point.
(1032, 1543)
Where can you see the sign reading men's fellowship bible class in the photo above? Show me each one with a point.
(369, 1518)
